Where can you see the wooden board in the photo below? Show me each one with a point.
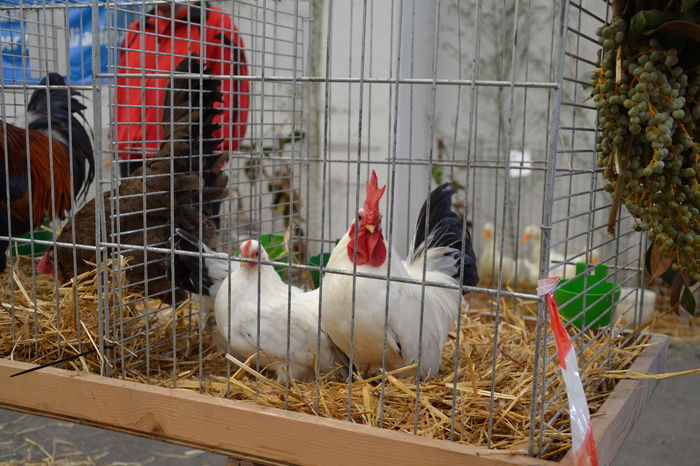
(271, 436)
(229, 427)
(622, 408)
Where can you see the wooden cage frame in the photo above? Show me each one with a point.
(272, 436)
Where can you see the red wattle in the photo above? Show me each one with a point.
(370, 247)
(378, 254)
(44, 266)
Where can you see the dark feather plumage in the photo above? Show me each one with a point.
(192, 269)
(188, 124)
(178, 162)
(66, 115)
(445, 230)
(189, 114)
(54, 140)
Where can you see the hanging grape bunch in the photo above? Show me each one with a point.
(647, 95)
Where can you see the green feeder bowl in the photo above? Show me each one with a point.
(274, 245)
(573, 288)
(20, 248)
(316, 262)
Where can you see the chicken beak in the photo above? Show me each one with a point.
(526, 238)
(486, 234)
(370, 228)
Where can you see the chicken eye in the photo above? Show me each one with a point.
(360, 213)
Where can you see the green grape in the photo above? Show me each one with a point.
(646, 116)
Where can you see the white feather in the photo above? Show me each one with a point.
(440, 310)
(237, 315)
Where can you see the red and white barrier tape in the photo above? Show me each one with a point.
(581, 430)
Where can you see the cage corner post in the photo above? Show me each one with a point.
(539, 386)
(414, 119)
(317, 134)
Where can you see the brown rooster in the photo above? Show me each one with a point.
(54, 135)
(178, 160)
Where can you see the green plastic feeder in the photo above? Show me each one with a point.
(573, 288)
(316, 262)
(274, 245)
(20, 248)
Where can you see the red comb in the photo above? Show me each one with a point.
(245, 249)
(374, 194)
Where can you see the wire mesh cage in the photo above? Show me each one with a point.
(264, 120)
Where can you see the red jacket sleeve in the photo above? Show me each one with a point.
(139, 100)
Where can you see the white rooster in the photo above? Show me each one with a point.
(441, 243)
(236, 310)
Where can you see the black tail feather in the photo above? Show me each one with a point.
(445, 230)
(66, 112)
(192, 105)
(188, 120)
(189, 271)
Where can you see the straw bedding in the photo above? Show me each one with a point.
(328, 398)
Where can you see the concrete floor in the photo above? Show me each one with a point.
(667, 431)
(665, 434)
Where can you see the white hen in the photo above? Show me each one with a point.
(443, 242)
(534, 234)
(238, 315)
(625, 310)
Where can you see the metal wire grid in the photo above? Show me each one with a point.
(415, 90)
(261, 167)
(530, 78)
(35, 40)
(26, 26)
(577, 221)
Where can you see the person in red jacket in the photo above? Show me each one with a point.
(158, 45)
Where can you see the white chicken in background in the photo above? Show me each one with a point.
(534, 234)
(441, 244)
(526, 271)
(625, 314)
(236, 310)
